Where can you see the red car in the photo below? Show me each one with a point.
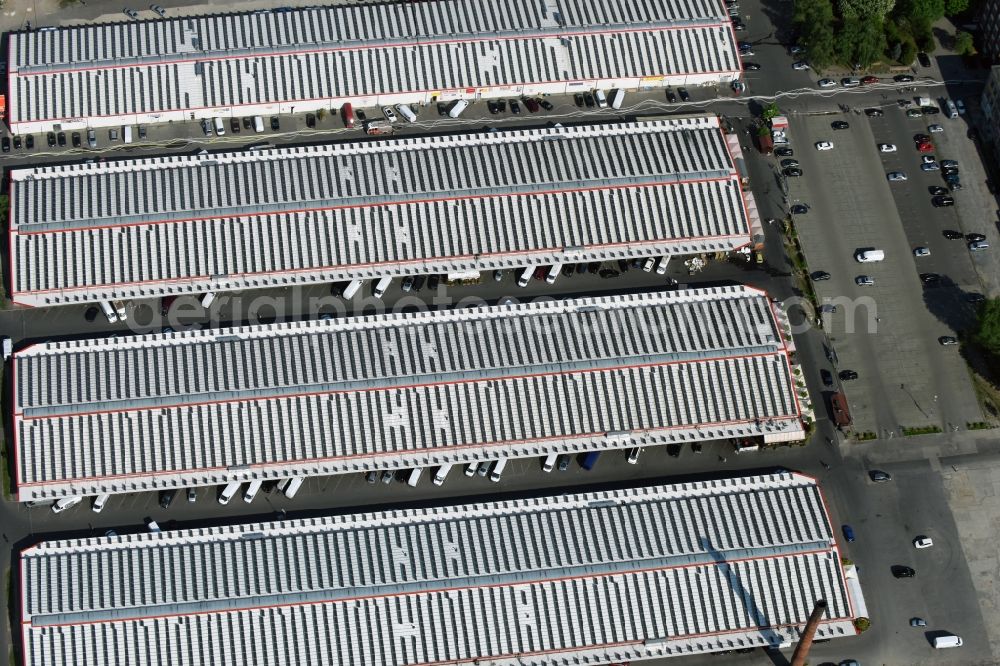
(925, 147)
(869, 79)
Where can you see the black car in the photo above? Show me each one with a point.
(76, 140)
(902, 78)
(588, 99)
(800, 209)
(952, 235)
(878, 476)
(29, 141)
(924, 59)
(532, 104)
(433, 282)
(685, 97)
(442, 109)
(310, 120)
(847, 375)
(418, 282)
(546, 104)
(5, 144)
(671, 97)
(739, 25)
(920, 138)
(17, 143)
(594, 267)
(930, 278)
(563, 461)
(166, 497)
(51, 137)
(608, 273)
(62, 139)
(234, 125)
(972, 238)
(792, 172)
(826, 376)
(930, 110)
(784, 152)
(840, 124)
(674, 450)
(819, 276)
(899, 571)
(623, 265)
(874, 113)
(360, 116)
(515, 108)
(949, 171)
(247, 123)
(974, 297)
(578, 99)
(789, 163)
(492, 106)
(937, 190)
(744, 46)
(751, 66)
(942, 201)
(502, 105)
(274, 123)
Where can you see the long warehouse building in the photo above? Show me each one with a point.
(594, 578)
(294, 216)
(397, 391)
(276, 62)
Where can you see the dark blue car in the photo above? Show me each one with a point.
(848, 532)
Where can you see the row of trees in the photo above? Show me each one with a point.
(862, 32)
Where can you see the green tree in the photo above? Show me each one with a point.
(953, 7)
(847, 41)
(987, 333)
(771, 111)
(864, 8)
(814, 19)
(963, 43)
(871, 42)
(909, 52)
(927, 10)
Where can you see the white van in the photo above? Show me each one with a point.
(252, 490)
(220, 128)
(352, 289)
(99, 503)
(550, 462)
(381, 286)
(602, 100)
(442, 474)
(109, 312)
(470, 469)
(413, 476)
(456, 109)
(550, 277)
(406, 112)
(617, 98)
(207, 299)
(525, 277)
(941, 642)
(869, 256)
(66, 503)
(293, 487)
(258, 124)
(497, 470)
(228, 492)
(127, 134)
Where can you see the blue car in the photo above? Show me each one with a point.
(848, 532)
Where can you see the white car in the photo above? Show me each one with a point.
(800, 66)
(824, 145)
(923, 542)
(864, 281)
(826, 83)
(886, 148)
(978, 245)
(895, 176)
(935, 128)
(930, 166)
(389, 114)
(921, 252)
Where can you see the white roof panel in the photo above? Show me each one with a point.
(184, 224)
(642, 572)
(392, 391)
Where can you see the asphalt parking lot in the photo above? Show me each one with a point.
(885, 332)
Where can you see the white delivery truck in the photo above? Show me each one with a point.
(381, 286)
(352, 289)
(550, 277)
(550, 462)
(442, 474)
(457, 108)
(109, 312)
(208, 299)
(293, 486)
(869, 256)
(949, 641)
(258, 124)
(413, 476)
(227, 493)
(127, 134)
(497, 470)
(602, 100)
(406, 112)
(220, 128)
(525, 277)
(617, 98)
(252, 490)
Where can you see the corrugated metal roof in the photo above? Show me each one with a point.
(184, 224)
(649, 571)
(391, 391)
(349, 52)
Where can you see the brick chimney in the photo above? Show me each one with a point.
(805, 642)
